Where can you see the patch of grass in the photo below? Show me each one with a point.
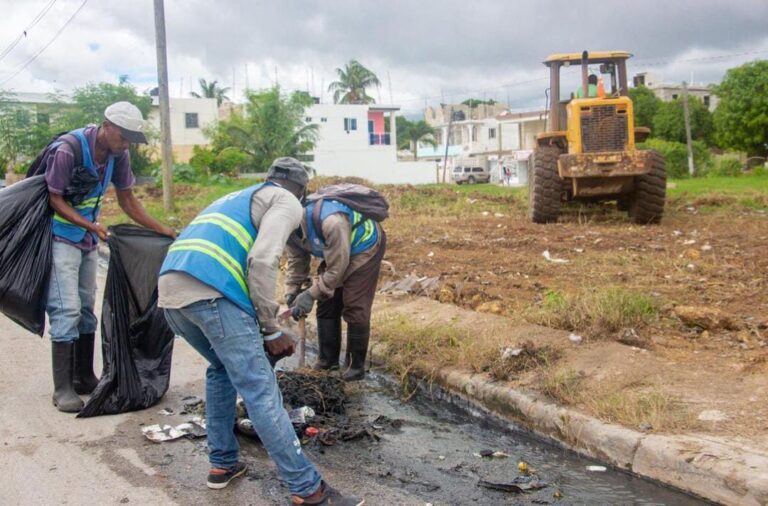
(511, 362)
(605, 310)
(745, 184)
(562, 385)
(646, 409)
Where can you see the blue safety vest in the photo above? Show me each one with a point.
(88, 208)
(214, 247)
(364, 230)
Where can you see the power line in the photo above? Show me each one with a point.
(18, 69)
(40, 15)
(700, 59)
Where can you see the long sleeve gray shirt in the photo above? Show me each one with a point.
(275, 213)
(339, 264)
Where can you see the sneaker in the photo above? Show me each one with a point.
(220, 478)
(328, 497)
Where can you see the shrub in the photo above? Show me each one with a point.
(182, 173)
(726, 167)
(229, 161)
(676, 156)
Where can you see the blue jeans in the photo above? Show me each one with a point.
(232, 343)
(72, 292)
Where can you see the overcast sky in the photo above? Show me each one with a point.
(424, 51)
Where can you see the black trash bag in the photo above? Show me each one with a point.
(25, 252)
(137, 344)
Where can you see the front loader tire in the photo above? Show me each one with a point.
(646, 205)
(545, 188)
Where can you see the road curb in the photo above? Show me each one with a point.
(712, 468)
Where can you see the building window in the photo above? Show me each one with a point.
(491, 133)
(323, 120)
(474, 134)
(706, 100)
(308, 119)
(350, 124)
(674, 96)
(191, 120)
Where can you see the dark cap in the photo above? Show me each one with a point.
(289, 169)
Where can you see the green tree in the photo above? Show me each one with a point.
(410, 133)
(741, 117)
(353, 79)
(669, 121)
(645, 104)
(21, 134)
(211, 90)
(272, 125)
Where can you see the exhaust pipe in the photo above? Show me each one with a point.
(584, 74)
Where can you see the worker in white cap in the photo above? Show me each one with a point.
(99, 155)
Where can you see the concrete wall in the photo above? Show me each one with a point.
(381, 168)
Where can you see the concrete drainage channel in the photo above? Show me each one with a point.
(434, 456)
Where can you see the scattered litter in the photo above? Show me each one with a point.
(689, 242)
(706, 247)
(301, 415)
(488, 454)
(192, 429)
(165, 412)
(245, 427)
(597, 241)
(412, 285)
(471, 201)
(441, 457)
(677, 233)
(597, 469)
(311, 431)
(575, 338)
(518, 485)
(712, 415)
(579, 250)
(192, 404)
(522, 466)
(498, 215)
(549, 258)
(510, 352)
(431, 254)
(486, 213)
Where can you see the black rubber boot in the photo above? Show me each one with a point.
(329, 342)
(64, 396)
(357, 346)
(85, 381)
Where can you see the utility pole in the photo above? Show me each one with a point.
(447, 140)
(165, 108)
(686, 115)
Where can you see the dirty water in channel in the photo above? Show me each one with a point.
(429, 454)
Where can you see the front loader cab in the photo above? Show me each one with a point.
(587, 150)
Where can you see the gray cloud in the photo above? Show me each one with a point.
(432, 49)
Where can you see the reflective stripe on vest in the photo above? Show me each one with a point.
(214, 247)
(89, 208)
(364, 233)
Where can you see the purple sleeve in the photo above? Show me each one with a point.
(59, 167)
(122, 175)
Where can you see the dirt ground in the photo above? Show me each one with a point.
(709, 253)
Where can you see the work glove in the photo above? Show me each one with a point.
(302, 305)
(289, 298)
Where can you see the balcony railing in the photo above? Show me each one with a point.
(378, 139)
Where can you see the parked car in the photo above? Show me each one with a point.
(471, 175)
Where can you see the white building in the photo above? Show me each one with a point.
(189, 116)
(508, 137)
(670, 92)
(353, 142)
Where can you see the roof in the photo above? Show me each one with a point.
(594, 56)
(38, 98)
(383, 108)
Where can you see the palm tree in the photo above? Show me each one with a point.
(353, 80)
(211, 90)
(409, 134)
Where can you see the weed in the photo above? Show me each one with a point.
(652, 408)
(606, 310)
(509, 363)
(562, 385)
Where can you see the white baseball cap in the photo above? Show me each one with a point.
(127, 117)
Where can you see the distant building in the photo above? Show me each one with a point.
(504, 139)
(189, 116)
(670, 92)
(361, 141)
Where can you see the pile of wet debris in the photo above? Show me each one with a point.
(317, 406)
